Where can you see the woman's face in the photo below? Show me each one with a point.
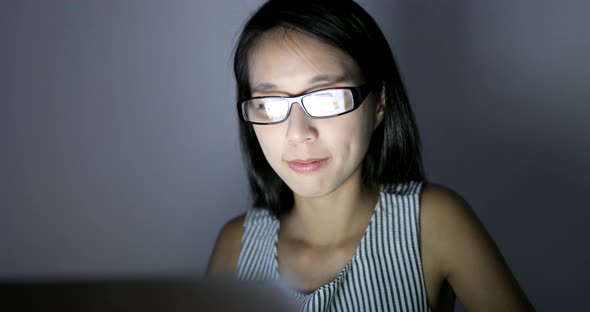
(314, 157)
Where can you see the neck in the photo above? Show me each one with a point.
(334, 218)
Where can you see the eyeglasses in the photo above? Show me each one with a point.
(324, 103)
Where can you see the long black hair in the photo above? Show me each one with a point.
(394, 151)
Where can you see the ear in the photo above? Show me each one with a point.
(380, 107)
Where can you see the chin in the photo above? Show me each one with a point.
(311, 189)
(309, 195)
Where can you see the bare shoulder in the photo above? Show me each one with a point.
(442, 210)
(438, 201)
(224, 258)
(464, 253)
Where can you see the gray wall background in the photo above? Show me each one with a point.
(119, 151)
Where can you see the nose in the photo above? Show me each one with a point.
(300, 128)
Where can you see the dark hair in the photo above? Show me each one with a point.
(394, 151)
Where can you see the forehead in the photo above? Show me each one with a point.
(293, 61)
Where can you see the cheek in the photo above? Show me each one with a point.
(356, 132)
(347, 141)
(269, 140)
(366, 126)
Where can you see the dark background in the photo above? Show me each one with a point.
(119, 153)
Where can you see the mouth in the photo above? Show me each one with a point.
(306, 165)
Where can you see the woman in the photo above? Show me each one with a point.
(343, 213)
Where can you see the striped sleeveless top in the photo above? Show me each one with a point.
(384, 274)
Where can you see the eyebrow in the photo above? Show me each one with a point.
(267, 86)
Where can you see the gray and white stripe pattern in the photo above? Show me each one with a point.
(384, 274)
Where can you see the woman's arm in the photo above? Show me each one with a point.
(224, 258)
(466, 255)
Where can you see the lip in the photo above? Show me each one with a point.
(306, 165)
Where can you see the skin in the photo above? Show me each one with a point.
(332, 210)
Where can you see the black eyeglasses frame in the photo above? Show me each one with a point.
(359, 94)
